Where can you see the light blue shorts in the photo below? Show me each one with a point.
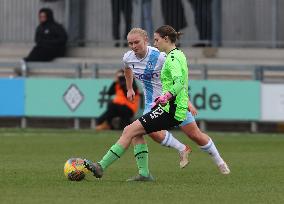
(147, 109)
(189, 117)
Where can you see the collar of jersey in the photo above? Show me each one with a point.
(173, 50)
(144, 56)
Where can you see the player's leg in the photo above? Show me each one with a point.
(116, 151)
(141, 152)
(135, 129)
(159, 121)
(141, 156)
(155, 120)
(190, 128)
(165, 138)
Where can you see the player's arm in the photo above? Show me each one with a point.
(191, 108)
(176, 72)
(129, 83)
(163, 100)
(178, 84)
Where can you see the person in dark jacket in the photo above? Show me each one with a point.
(50, 38)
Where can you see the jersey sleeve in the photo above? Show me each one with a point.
(176, 72)
(162, 58)
(125, 60)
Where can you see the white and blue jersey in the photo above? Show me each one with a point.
(148, 70)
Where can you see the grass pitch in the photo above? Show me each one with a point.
(31, 170)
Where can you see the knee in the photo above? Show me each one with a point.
(194, 134)
(199, 137)
(126, 130)
(130, 131)
(157, 136)
(133, 130)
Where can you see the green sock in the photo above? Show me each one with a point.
(114, 153)
(141, 156)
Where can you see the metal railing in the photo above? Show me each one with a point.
(262, 73)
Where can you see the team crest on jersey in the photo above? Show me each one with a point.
(150, 65)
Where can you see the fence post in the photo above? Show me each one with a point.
(205, 72)
(202, 125)
(258, 73)
(253, 127)
(93, 123)
(76, 123)
(79, 71)
(23, 122)
(24, 68)
(95, 71)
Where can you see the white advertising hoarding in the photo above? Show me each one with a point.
(272, 102)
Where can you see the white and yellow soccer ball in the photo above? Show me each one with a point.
(74, 169)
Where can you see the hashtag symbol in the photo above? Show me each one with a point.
(105, 98)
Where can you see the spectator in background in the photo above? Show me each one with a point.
(118, 7)
(146, 17)
(120, 106)
(203, 21)
(50, 38)
(173, 14)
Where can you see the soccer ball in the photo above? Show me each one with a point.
(74, 169)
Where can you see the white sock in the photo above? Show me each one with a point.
(171, 141)
(212, 150)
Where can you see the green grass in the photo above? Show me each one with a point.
(31, 170)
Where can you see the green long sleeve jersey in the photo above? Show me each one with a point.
(174, 78)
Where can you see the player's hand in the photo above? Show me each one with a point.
(163, 100)
(130, 95)
(192, 109)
